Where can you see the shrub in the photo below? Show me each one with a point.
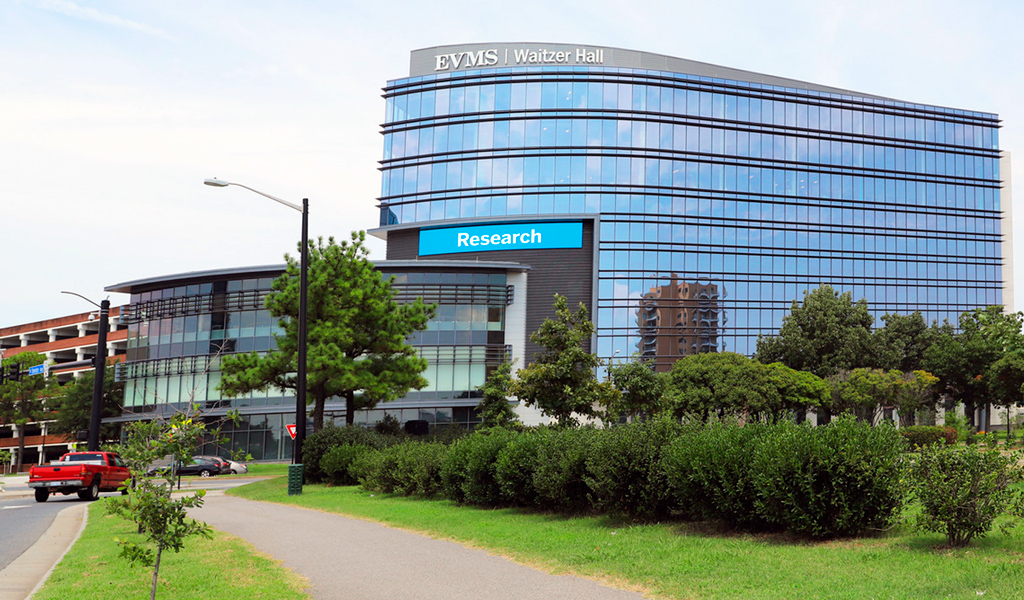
(959, 424)
(515, 467)
(318, 443)
(710, 473)
(336, 461)
(838, 480)
(625, 474)
(418, 468)
(923, 435)
(560, 478)
(363, 465)
(481, 485)
(962, 489)
(381, 474)
(447, 434)
(453, 470)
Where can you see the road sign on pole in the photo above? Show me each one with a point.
(36, 370)
(291, 430)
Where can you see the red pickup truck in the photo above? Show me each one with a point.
(87, 473)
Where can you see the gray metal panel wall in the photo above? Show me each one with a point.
(422, 62)
(569, 272)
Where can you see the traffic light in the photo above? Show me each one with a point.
(13, 372)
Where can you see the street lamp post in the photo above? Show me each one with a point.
(99, 372)
(300, 392)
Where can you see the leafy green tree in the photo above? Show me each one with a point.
(1005, 381)
(73, 406)
(494, 408)
(641, 390)
(21, 401)
(902, 342)
(797, 391)
(719, 383)
(960, 359)
(863, 392)
(825, 334)
(356, 334)
(561, 380)
(915, 391)
(5, 464)
(162, 518)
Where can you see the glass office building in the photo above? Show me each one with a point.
(686, 205)
(181, 326)
(708, 198)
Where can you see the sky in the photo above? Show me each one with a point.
(113, 112)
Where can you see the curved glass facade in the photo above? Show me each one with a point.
(717, 202)
(180, 326)
(178, 330)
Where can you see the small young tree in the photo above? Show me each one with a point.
(5, 465)
(963, 489)
(562, 380)
(162, 519)
(494, 408)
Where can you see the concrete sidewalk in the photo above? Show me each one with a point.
(359, 560)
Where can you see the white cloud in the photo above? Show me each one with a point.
(70, 9)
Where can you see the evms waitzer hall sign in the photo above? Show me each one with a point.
(504, 236)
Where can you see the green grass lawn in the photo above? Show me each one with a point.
(224, 568)
(680, 561)
(266, 470)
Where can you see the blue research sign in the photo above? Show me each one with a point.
(505, 236)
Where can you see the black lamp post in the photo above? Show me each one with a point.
(99, 372)
(300, 391)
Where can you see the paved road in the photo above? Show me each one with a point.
(23, 520)
(21, 524)
(358, 560)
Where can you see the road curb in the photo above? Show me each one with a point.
(27, 573)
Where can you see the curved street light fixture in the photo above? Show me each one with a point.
(300, 391)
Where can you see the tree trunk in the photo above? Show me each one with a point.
(825, 416)
(156, 572)
(1009, 427)
(350, 407)
(21, 448)
(969, 413)
(318, 410)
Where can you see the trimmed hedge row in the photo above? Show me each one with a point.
(925, 435)
(837, 480)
